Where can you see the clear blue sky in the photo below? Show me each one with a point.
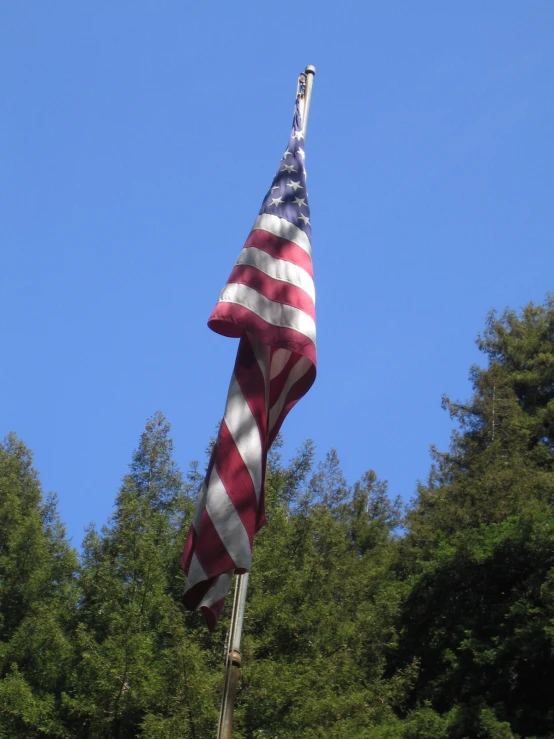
(137, 142)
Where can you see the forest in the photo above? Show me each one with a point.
(365, 619)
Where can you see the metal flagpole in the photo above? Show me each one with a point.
(232, 648)
(310, 72)
(232, 659)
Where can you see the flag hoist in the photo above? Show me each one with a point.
(268, 303)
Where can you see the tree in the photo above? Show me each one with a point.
(502, 455)
(145, 669)
(480, 544)
(38, 598)
(322, 607)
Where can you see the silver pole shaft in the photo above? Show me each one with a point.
(242, 586)
(227, 650)
(232, 658)
(310, 72)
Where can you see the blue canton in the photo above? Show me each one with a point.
(287, 197)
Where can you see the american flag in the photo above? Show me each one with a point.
(269, 303)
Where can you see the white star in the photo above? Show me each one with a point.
(304, 218)
(299, 134)
(295, 185)
(299, 202)
(276, 201)
(287, 154)
(301, 152)
(289, 168)
(275, 187)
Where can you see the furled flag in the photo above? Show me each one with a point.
(268, 302)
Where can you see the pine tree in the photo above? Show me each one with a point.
(38, 599)
(502, 455)
(480, 544)
(144, 669)
(322, 607)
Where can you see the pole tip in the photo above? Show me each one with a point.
(310, 69)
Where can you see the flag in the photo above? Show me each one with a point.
(269, 304)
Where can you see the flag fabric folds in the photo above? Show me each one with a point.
(269, 304)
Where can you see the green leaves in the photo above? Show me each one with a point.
(140, 662)
(479, 610)
(361, 623)
(38, 597)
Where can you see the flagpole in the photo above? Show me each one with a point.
(310, 73)
(233, 657)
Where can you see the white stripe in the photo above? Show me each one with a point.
(278, 362)
(246, 435)
(219, 590)
(284, 229)
(196, 573)
(262, 354)
(278, 269)
(227, 522)
(277, 314)
(297, 372)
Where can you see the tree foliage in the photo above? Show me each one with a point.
(38, 599)
(362, 620)
(479, 614)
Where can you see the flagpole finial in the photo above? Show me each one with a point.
(310, 69)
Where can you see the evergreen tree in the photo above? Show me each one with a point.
(38, 600)
(359, 624)
(322, 607)
(145, 671)
(502, 457)
(480, 547)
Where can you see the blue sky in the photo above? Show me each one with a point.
(137, 142)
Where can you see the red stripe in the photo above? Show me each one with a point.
(210, 550)
(252, 384)
(212, 614)
(190, 542)
(230, 319)
(237, 481)
(193, 597)
(276, 290)
(280, 248)
(297, 391)
(188, 550)
(278, 383)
